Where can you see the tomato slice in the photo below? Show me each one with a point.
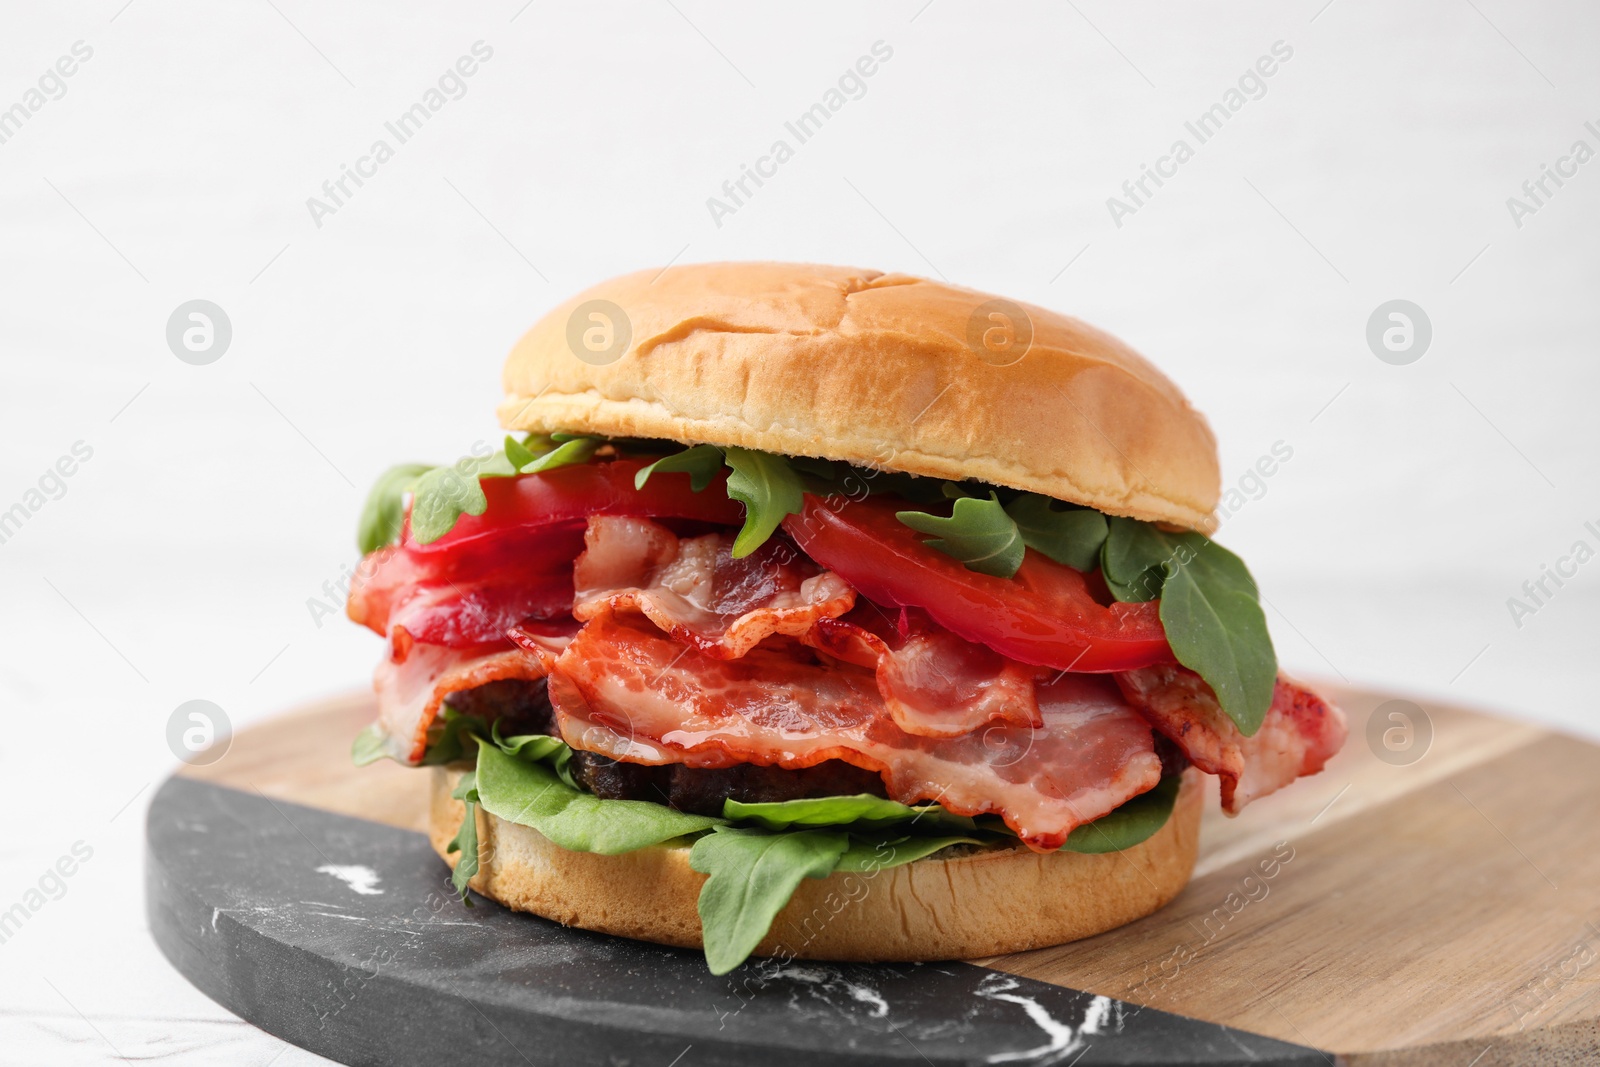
(571, 494)
(1046, 615)
(514, 562)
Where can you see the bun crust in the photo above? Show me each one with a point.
(928, 910)
(883, 370)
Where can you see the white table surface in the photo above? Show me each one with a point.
(218, 500)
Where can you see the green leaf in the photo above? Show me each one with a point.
(828, 471)
(701, 463)
(1135, 556)
(384, 512)
(879, 853)
(444, 494)
(1217, 629)
(450, 737)
(517, 453)
(978, 532)
(537, 748)
(768, 488)
(855, 812)
(1070, 536)
(466, 839)
(534, 795)
(1209, 609)
(753, 874)
(370, 746)
(566, 451)
(1133, 822)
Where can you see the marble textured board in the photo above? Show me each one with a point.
(342, 935)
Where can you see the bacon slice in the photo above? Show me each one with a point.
(695, 590)
(933, 682)
(1300, 734)
(410, 690)
(626, 690)
(465, 599)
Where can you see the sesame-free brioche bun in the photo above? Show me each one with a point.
(884, 370)
(931, 909)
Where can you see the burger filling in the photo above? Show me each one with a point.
(805, 665)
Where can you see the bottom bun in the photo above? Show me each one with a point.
(978, 902)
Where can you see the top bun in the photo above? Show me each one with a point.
(883, 370)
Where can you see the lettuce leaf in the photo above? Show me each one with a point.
(532, 794)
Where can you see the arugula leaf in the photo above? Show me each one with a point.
(860, 811)
(535, 748)
(385, 512)
(978, 532)
(533, 795)
(370, 746)
(450, 738)
(752, 875)
(1209, 609)
(768, 488)
(1217, 629)
(564, 451)
(517, 453)
(701, 463)
(1071, 537)
(466, 839)
(1133, 822)
(443, 494)
(538, 748)
(880, 853)
(1135, 556)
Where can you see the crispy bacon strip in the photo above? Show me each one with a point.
(1299, 735)
(410, 690)
(468, 599)
(626, 690)
(933, 682)
(695, 590)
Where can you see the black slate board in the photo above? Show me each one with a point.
(403, 973)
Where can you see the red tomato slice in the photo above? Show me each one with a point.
(514, 562)
(572, 494)
(1047, 614)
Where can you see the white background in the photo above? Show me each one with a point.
(220, 498)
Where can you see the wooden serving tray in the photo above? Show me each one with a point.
(1433, 897)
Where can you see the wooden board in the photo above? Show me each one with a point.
(1441, 911)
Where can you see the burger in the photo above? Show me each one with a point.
(812, 612)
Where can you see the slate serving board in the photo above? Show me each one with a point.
(1439, 909)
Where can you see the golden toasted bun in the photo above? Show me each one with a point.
(883, 370)
(978, 904)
